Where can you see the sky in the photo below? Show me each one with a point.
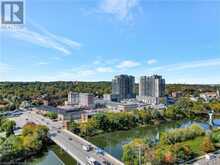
(93, 40)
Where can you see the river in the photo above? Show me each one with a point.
(112, 142)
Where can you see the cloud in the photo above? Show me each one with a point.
(104, 69)
(151, 61)
(121, 9)
(43, 38)
(189, 65)
(4, 68)
(127, 64)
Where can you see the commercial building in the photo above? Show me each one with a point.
(62, 113)
(123, 86)
(152, 86)
(86, 100)
(127, 107)
(149, 100)
(73, 98)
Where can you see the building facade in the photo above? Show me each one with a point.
(123, 86)
(73, 98)
(86, 100)
(152, 86)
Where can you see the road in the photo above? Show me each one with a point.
(70, 142)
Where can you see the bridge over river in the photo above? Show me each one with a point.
(69, 142)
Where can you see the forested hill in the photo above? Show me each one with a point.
(58, 90)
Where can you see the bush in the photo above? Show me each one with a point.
(169, 158)
(181, 134)
(52, 115)
(183, 152)
(207, 145)
(215, 136)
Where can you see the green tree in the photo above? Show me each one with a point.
(8, 127)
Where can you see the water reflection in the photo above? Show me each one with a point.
(113, 142)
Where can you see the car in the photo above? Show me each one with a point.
(92, 161)
(99, 151)
(210, 156)
(87, 147)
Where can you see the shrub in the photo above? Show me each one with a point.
(183, 152)
(181, 134)
(169, 158)
(207, 145)
(215, 136)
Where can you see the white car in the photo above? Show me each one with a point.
(210, 156)
(91, 160)
(86, 147)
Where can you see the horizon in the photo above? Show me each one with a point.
(178, 40)
(97, 82)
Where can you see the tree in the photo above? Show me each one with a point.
(73, 126)
(52, 115)
(8, 127)
(87, 128)
(133, 153)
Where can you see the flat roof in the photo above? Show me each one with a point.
(54, 109)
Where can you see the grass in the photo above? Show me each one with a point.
(195, 145)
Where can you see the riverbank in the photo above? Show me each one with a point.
(173, 147)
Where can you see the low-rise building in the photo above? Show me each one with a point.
(207, 96)
(111, 97)
(86, 100)
(149, 100)
(177, 94)
(62, 113)
(127, 107)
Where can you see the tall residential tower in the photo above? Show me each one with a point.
(123, 86)
(152, 86)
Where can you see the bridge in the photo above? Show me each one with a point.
(69, 142)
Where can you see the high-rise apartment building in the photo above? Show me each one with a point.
(152, 86)
(123, 86)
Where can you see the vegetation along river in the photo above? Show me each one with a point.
(112, 142)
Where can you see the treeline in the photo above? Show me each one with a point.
(108, 122)
(190, 89)
(31, 141)
(56, 92)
